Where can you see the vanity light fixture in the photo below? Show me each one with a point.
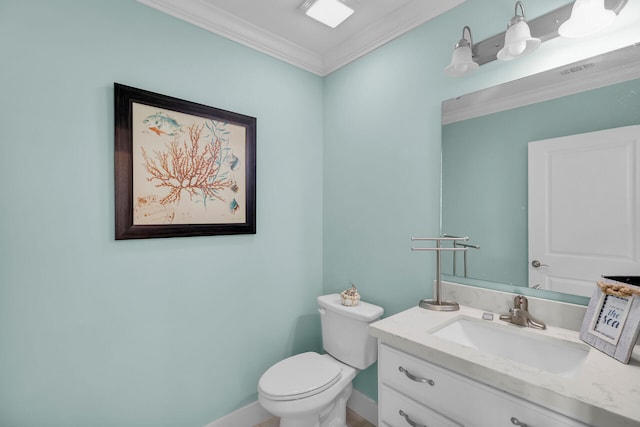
(517, 40)
(330, 12)
(545, 27)
(587, 17)
(462, 59)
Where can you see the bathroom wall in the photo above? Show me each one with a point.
(159, 332)
(382, 136)
(176, 332)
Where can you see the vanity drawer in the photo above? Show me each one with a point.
(456, 397)
(429, 385)
(400, 411)
(511, 410)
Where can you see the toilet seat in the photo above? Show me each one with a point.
(299, 376)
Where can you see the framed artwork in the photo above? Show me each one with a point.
(612, 321)
(181, 168)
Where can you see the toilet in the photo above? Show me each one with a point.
(311, 389)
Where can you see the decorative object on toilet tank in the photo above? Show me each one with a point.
(350, 297)
(612, 321)
(181, 168)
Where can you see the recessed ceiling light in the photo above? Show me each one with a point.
(329, 12)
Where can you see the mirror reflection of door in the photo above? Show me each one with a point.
(584, 209)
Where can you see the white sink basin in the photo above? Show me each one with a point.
(515, 343)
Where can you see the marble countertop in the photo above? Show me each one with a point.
(603, 392)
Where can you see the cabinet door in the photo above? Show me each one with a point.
(400, 411)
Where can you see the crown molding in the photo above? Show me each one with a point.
(402, 20)
(218, 21)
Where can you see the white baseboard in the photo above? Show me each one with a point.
(254, 413)
(247, 416)
(364, 406)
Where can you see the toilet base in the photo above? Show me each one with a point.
(334, 415)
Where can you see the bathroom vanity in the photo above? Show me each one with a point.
(427, 378)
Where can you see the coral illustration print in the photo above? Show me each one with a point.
(191, 169)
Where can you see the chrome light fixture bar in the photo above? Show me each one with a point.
(544, 27)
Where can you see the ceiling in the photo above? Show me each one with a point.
(281, 29)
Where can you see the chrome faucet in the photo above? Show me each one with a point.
(519, 314)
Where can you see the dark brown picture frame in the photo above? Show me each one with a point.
(217, 162)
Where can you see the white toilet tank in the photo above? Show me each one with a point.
(345, 333)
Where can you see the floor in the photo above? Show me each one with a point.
(353, 420)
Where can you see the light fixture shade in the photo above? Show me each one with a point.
(461, 61)
(587, 17)
(518, 41)
(330, 12)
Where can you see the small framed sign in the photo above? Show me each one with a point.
(612, 321)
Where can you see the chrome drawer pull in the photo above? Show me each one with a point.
(414, 378)
(517, 422)
(409, 420)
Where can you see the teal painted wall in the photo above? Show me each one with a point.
(382, 137)
(160, 332)
(176, 332)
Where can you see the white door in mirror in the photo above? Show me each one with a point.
(584, 209)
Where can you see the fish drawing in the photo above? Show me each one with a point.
(234, 206)
(234, 162)
(162, 124)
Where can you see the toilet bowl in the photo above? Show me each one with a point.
(310, 389)
(307, 389)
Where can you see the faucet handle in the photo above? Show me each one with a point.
(520, 301)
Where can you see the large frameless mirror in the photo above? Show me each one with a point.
(485, 173)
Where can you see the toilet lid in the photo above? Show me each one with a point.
(299, 376)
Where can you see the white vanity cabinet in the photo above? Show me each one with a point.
(416, 393)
